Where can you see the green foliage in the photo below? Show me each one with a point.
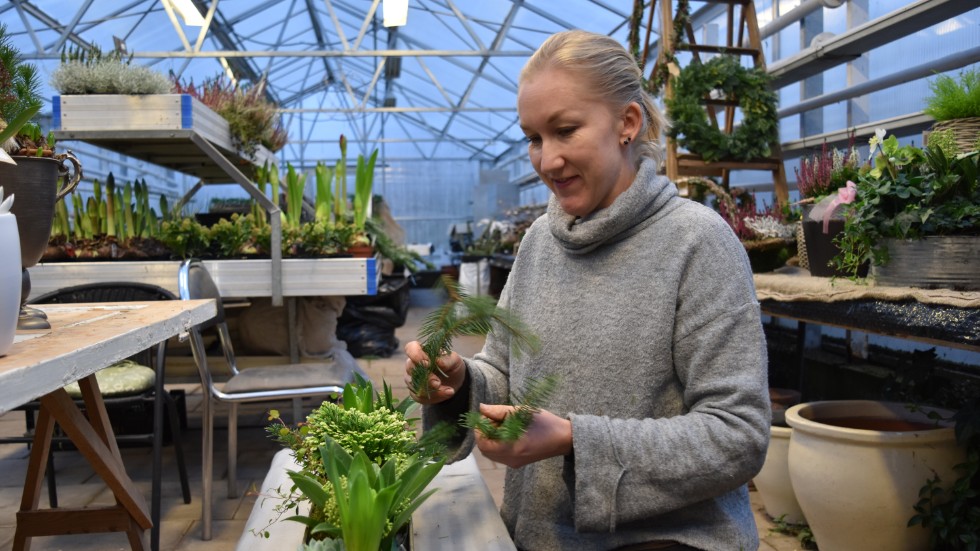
(94, 72)
(954, 98)
(802, 532)
(363, 183)
(514, 425)
(20, 87)
(295, 183)
(364, 420)
(953, 513)
(463, 314)
(373, 502)
(749, 87)
(185, 237)
(909, 194)
(398, 254)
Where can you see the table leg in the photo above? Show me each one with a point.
(95, 441)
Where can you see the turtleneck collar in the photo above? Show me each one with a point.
(646, 195)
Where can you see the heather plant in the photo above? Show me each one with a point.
(252, 118)
(822, 174)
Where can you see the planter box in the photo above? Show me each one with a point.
(235, 278)
(937, 262)
(151, 112)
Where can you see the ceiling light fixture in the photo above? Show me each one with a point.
(394, 12)
(188, 11)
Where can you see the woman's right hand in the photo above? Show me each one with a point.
(440, 388)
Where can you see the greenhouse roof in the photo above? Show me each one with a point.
(441, 87)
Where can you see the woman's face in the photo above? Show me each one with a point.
(575, 139)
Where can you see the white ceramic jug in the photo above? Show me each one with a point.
(10, 273)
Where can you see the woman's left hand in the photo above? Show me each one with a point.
(548, 436)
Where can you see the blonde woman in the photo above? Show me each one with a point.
(645, 307)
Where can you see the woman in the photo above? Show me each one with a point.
(646, 311)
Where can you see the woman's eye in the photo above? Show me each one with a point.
(566, 131)
(533, 140)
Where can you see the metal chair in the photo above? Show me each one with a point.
(259, 384)
(125, 386)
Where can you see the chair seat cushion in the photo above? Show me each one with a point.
(125, 378)
(338, 372)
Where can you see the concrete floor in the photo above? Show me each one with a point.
(180, 530)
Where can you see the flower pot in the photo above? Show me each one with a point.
(951, 262)
(820, 246)
(35, 183)
(773, 481)
(10, 280)
(857, 467)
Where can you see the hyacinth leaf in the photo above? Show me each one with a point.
(463, 314)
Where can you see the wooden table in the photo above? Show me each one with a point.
(84, 338)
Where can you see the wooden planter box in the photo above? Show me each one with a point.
(235, 278)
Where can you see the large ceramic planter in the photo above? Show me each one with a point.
(951, 262)
(857, 486)
(773, 482)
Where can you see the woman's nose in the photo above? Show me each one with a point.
(551, 157)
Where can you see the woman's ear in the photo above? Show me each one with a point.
(632, 120)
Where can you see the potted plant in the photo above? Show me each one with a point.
(818, 179)
(915, 217)
(363, 469)
(955, 104)
(768, 238)
(857, 467)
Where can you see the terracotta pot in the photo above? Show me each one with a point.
(773, 481)
(857, 486)
(360, 251)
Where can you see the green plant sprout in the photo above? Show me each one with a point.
(515, 424)
(462, 314)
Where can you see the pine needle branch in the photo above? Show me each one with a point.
(463, 314)
(515, 424)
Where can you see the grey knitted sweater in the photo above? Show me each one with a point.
(647, 314)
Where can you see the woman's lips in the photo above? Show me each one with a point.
(562, 183)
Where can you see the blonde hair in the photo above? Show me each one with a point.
(613, 73)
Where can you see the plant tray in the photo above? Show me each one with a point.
(235, 278)
(150, 112)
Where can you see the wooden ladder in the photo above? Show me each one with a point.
(747, 42)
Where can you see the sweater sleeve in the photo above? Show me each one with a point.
(632, 469)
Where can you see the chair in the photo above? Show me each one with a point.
(260, 384)
(125, 385)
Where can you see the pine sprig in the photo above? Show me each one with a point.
(515, 424)
(463, 314)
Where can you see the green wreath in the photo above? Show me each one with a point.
(759, 127)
